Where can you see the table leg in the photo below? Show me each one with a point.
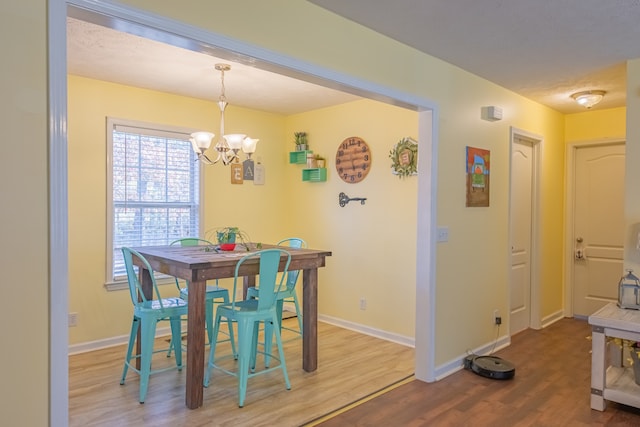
(310, 319)
(598, 368)
(147, 290)
(247, 282)
(195, 344)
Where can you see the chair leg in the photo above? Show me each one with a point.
(298, 313)
(232, 337)
(208, 317)
(148, 336)
(283, 364)
(212, 351)
(245, 341)
(132, 337)
(268, 340)
(254, 345)
(176, 339)
(173, 343)
(268, 333)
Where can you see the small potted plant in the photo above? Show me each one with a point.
(300, 141)
(229, 237)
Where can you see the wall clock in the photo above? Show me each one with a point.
(353, 160)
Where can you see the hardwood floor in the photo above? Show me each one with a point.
(551, 387)
(350, 367)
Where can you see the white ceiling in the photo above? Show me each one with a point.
(543, 50)
(102, 53)
(543, 53)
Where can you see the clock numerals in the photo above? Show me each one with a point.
(353, 160)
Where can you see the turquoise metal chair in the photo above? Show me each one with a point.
(213, 294)
(146, 315)
(288, 294)
(249, 314)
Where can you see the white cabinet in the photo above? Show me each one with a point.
(616, 384)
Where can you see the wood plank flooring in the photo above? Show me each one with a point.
(551, 387)
(350, 367)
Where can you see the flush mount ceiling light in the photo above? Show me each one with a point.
(588, 98)
(227, 145)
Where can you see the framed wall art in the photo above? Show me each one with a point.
(478, 182)
(404, 158)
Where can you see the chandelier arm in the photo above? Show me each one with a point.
(204, 159)
(226, 153)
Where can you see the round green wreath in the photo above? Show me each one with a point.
(406, 146)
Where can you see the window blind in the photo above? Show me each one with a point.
(155, 189)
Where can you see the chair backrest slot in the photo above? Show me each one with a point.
(269, 284)
(135, 287)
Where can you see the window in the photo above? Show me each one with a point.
(154, 189)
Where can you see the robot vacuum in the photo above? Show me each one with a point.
(490, 366)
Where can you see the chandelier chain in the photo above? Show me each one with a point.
(222, 88)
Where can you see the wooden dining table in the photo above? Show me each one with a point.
(197, 264)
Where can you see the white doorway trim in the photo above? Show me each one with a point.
(569, 238)
(58, 216)
(134, 19)
(537, 142)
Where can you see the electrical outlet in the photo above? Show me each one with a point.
(73, 319)
(497, 319)
(363, 303)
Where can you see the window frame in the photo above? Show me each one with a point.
(117, 283)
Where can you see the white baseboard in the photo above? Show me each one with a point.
(110, 342)
(552, 318)
(378, 333)
(457, 364)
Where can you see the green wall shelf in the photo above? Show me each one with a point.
(314, 175)
(298, 157)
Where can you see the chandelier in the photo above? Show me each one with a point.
(227, 146)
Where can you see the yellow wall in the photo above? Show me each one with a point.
(373, 244)
(473, 267)
(596, 125)
(284, 206)
(256, 209)
(24, 216)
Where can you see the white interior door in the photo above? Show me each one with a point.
(522, 163)
(598, 222)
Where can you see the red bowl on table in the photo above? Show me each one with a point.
(227, 246)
